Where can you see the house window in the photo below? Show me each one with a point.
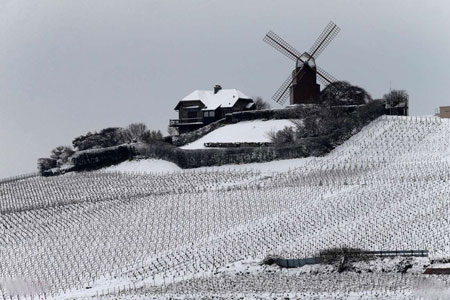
(209, 114)
(192, 114)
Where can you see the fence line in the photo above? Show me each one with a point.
(418, 253)
(18, 177)
(300, 262)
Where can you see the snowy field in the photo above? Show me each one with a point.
(144, 166)
(155, 166)
(250, 280)
(247, 131)
(153, 235)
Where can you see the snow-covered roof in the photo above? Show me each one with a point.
(223, 98)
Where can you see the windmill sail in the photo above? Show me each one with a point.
(302, 82)
(325, 38)
(282, 94)
(282, 46)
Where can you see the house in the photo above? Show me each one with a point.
(201, 108)
(444, 112)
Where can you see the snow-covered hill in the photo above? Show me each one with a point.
(246, 131)
(125, 235)
(144, 166)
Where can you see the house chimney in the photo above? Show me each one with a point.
(217, 88)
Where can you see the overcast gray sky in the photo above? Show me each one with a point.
(69, 67)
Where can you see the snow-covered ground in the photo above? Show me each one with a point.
(143, 236)
(147, 166)
(248, 131)
(248, 279)
(152, 166)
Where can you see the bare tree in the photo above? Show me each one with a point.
(261, 104)
(284, 136)
(135, 132)
(151, 136)
(395, 97)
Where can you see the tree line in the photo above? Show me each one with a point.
(108, 137)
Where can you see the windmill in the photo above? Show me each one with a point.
(302, 82)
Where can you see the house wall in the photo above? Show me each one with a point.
(209, 120)
(241, 104)
(223, 111)
(183, 113)
(444, 111)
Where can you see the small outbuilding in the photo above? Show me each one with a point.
(201, 107)
(444, 112)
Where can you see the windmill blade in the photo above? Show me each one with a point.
(282, 93)
(324, 39)
(282, 46)
(324, 77)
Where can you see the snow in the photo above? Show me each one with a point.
(152, 166)
(147, 166)
(375, 265)
(154, 236)
(247, 279)
(248, 131)
(441, 266)
(270, 167)
(223, 98)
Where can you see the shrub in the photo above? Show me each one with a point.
(284, 136)
(45, 164)
(261, 104)
(270, 260)
(107, 137)
(395, 97)
(151, 136)
(138, 133)
(325, 127)
(172, 131)
(61, 155)
(98, 158)
(135, 132)
(343, 93)
(337, 255)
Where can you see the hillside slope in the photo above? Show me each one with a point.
(385, 188)
(246, 131)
